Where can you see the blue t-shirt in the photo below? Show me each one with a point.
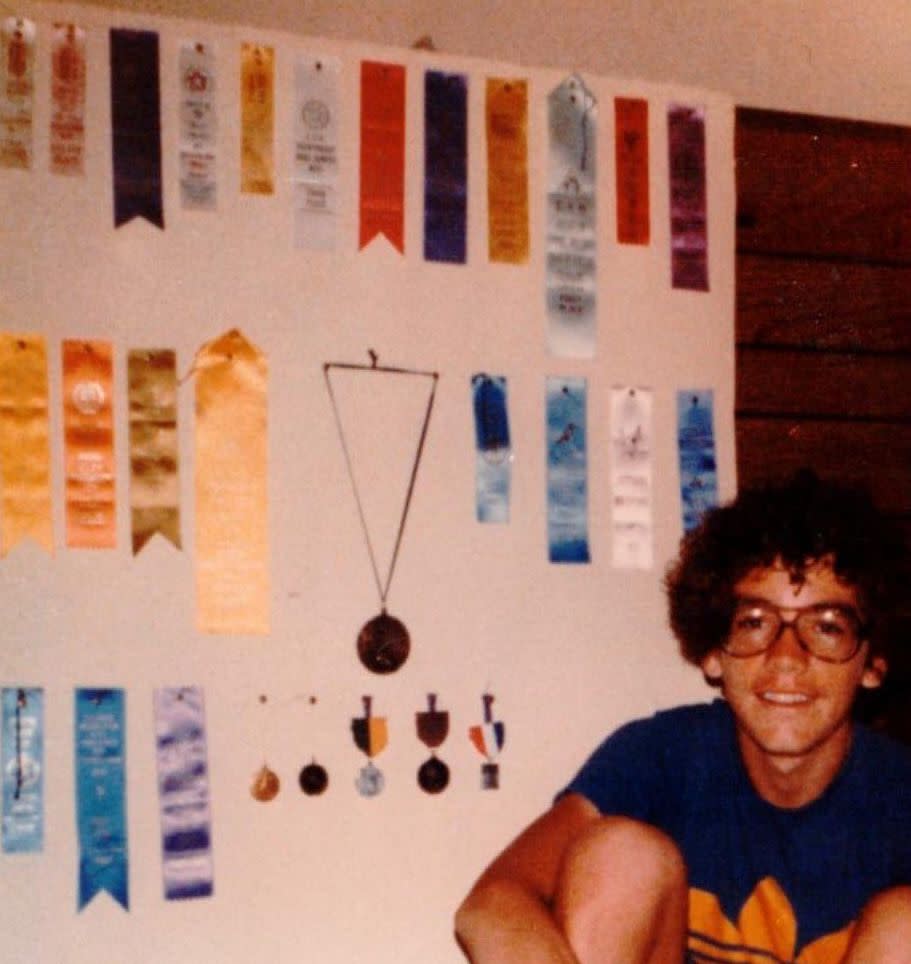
(785, 883)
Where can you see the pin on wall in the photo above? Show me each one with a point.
(371, 735)
(432, 728)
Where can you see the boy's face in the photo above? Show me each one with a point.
(793, 710)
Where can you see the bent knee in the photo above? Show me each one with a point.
(889, 911)
(620, 846)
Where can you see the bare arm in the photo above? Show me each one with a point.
(507, 916)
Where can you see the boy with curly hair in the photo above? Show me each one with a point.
(767, 826)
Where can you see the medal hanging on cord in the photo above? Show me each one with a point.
(383, 643)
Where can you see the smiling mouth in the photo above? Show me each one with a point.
(784, 699)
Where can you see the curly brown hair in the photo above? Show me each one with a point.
(802, 521)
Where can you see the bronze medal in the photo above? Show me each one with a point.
(313, 779)
(433, 775)
(265, 786)
(383, 644)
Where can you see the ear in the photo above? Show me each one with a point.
(711, 666)
(874, 672)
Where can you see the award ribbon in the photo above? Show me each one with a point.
(371, 736)
(696, 451)
(17, 75)
(631, 156)
(382, 209)
(101, 794)
(198, 127)
(689, 241)
(67, 144)
(316, 169)
(232, 530)
(183, 792)
(257, 119)
(493, 449)
(22, 769)
(445, 166)
(507, 170)
(154, 484)
(488, 739)
(631, 477)
(25, 461)
(567, 470)
(136, 126)
(88, 440)
(571, 220)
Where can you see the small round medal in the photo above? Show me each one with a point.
(383, 644)
(370, 780)
(265, 786)
(433, 775)
(313, 779)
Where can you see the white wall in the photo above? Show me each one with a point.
(569, 651)
(846, 58)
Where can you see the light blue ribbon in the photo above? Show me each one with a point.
(101, 794)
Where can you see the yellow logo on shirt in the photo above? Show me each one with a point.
(766, 931)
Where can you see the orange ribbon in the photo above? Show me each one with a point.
(257, 119)
(507, 170)
(631, 151)
(88, 435)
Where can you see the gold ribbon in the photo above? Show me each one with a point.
(232, 535)
(154, 484)
(88, 436)
(507, 170)
(257, 105)
(25, 463)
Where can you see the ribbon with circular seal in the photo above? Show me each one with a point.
(88, 438)
(371, 735)
(488, 738)
(383, 643)
(198, 130)
(432, 727)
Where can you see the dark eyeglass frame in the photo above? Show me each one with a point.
(745, 602)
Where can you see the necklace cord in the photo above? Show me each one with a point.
(382, 590)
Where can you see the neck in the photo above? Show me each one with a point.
(789, 780)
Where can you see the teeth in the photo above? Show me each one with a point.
(786, 698)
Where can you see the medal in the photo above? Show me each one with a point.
(371, 734)
(488, 738)
(383, 644)
(265, 785)
(313, 779)
(433, 728)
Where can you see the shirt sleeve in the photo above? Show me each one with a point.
(626, 775)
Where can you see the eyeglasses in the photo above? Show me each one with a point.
(827, 631)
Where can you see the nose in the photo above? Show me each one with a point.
(786, 648)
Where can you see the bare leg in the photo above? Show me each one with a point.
(622, 895)
(883, 933)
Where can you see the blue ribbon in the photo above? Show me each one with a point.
(101, 794)
(567, 471)
(445, 166)
(696, 451)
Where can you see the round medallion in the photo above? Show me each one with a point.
(315, 114)
(383, 644)
(265, 786)
(370, 780)
(313, 779)
(433, 776)
(88, 397)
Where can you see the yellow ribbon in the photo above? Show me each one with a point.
(257, 105)
(25, 464)
(507, 169)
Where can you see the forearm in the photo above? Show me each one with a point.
(502, 922)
